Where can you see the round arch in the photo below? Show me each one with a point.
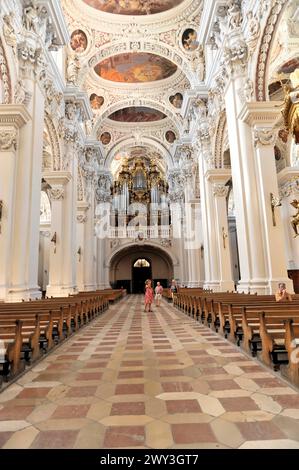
(148, 245)
(263, 54)
(144, 102)
(54, 142)
(121, 261)
(144, 141)
(7, 80)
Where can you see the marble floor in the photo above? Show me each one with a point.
(157, 380)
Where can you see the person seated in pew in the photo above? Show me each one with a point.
(282, 295)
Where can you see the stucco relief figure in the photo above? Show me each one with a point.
(295, 218)
(30, 18)
(73, 67)
(201, 63)
(234, 15)
(9, 31)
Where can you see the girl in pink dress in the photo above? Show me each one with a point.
(149, 296)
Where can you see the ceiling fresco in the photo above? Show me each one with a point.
(133, 7)
(135, 67)
(137, 114)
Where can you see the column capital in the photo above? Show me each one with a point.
(220, 190)
(261, 114)
(288, 180)
(221, 176)
(288, 175)
(14, 115)
(265, 136)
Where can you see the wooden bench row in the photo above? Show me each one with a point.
(267, 329)
(29, 329)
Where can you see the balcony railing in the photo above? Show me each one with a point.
(141, 233)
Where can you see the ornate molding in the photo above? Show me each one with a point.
(236, 58)
(31, 60)
(81, 219)
(289, 188)
(267, 38)
(8, 140)
(265, 137)
(220, 190)
(5, 76)
(56, 194)
(103, 191)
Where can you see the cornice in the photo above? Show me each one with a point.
(57, 178)
(288, 175)
(221, 176)
(15, 115)
(261, 113)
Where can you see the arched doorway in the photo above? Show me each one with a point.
(141, 271)
(124, 274)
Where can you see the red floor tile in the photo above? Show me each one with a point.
(191, 433)
(124, 436)
(137, 408)
(55, 440)
(183, 406)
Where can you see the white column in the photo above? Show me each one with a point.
(245, 183)
(192, 246)
(90, 250)
(81, 260)
(63, 251)
(289, 190)
(211, 259)
(217, 180)
(261, 116)
(101, 284)
(12, 118)
(25, 234)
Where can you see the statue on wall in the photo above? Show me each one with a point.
(295, 218)
(234, 15)
(9, 31)
(73, 67)
(30, 18)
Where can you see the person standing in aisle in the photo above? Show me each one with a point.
(158, 292)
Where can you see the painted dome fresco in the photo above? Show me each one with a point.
(137, 114)
(135, 67)
(133, 7)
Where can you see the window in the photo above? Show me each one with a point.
(142, 263)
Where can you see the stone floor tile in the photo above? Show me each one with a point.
(124, 436)
(130, 380)
(54, 440)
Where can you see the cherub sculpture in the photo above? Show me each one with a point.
(295, 218)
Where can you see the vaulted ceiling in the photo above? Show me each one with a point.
(137, 58)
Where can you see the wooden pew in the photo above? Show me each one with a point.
(40, 325)
(11, 345)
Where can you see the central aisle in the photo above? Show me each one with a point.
(155, 380)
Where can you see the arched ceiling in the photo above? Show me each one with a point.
(136, 62)
(133, 7)
(135, 67)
